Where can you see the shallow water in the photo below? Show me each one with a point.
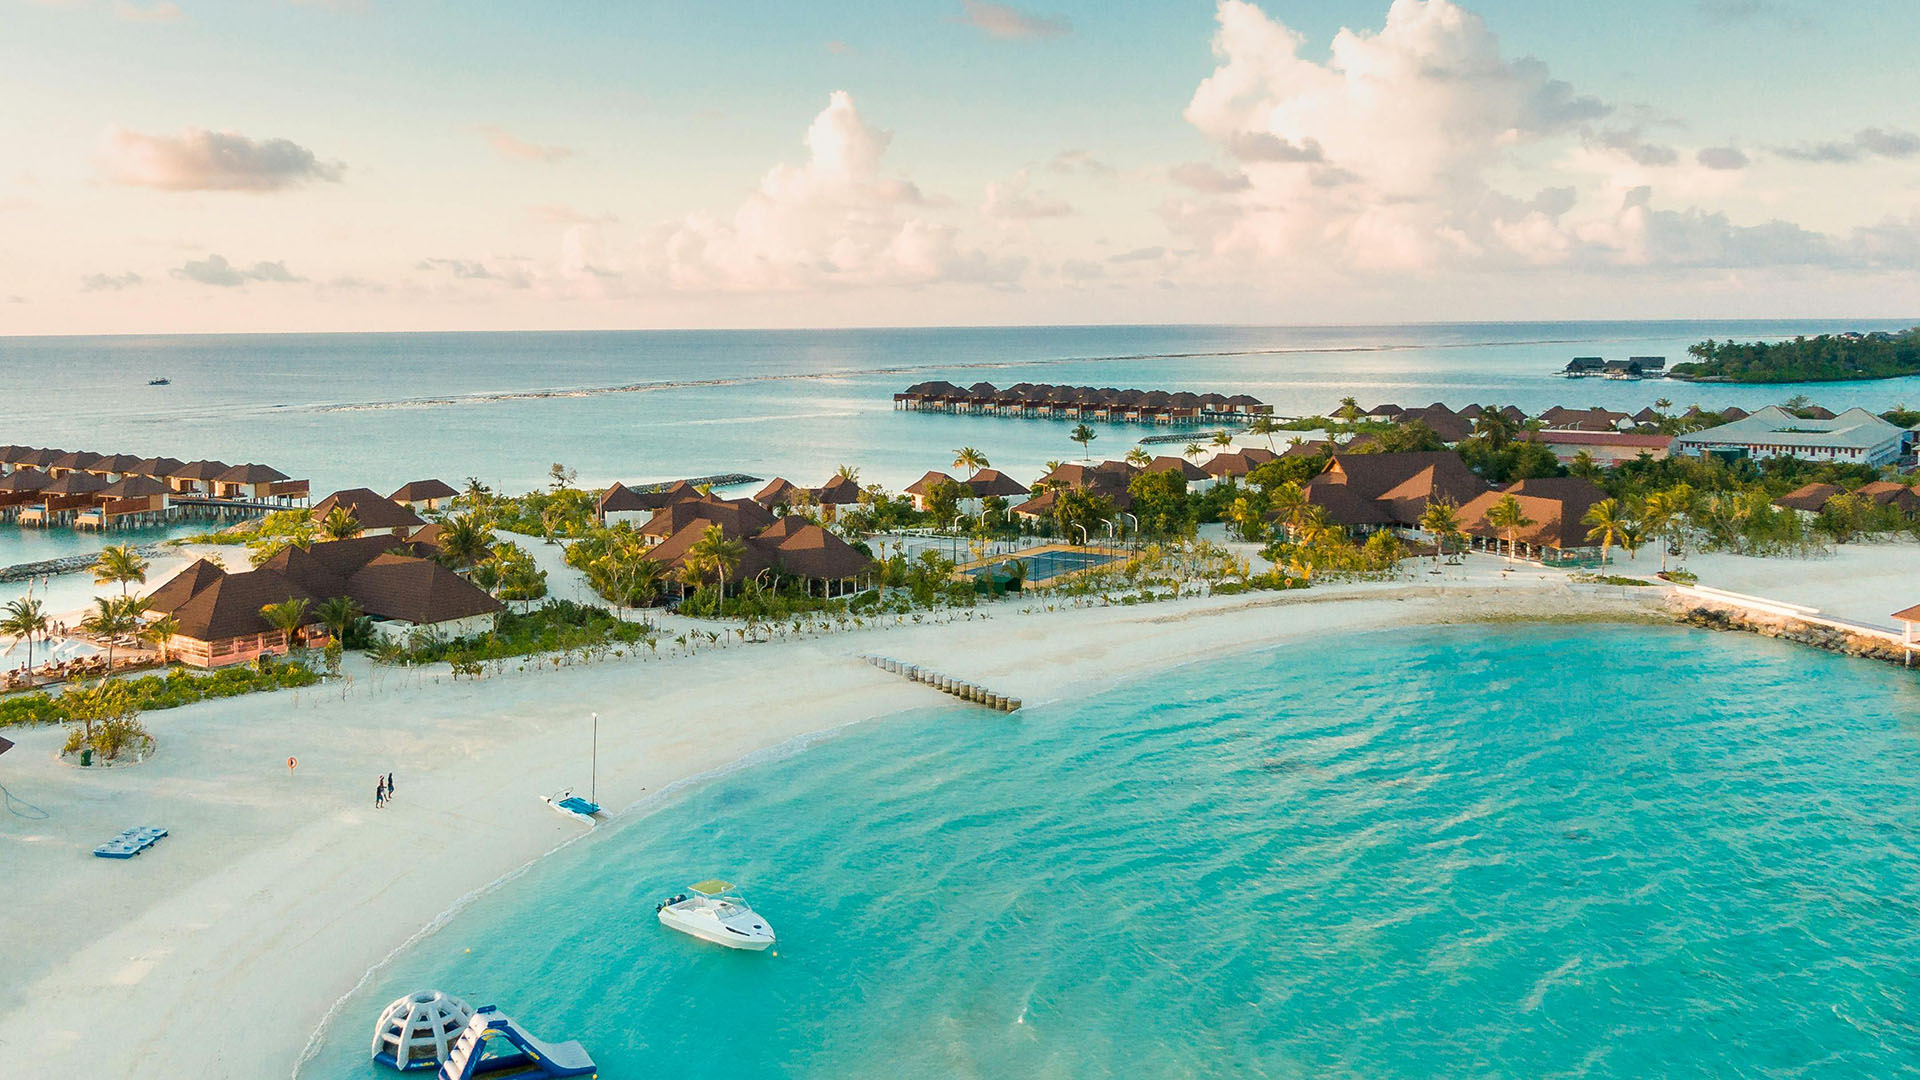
(1470, 851)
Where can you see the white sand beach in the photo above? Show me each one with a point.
(175, 962)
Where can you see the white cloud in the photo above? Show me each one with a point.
(1393, 155)
(1723, 158)
(1012, 201)
(835, 220)
(201, 160)
(1079, 161)
(508, 145)
(1865, 143)
(216, 270)
(109, 282)
(1201, 176)
(1004, 21)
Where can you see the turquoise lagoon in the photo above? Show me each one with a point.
(1471, 851)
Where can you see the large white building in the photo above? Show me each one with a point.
(1856, 437)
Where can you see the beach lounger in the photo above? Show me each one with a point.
(131, 842)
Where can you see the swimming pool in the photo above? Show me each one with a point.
(1047, 565)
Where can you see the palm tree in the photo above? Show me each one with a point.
(119, 564)
(1495, 427)
(712, 555)
(1607, 522)
(476, 494)
(159, 633)
(1138, 456)
(1349, 410)
(1223, 438)
(1508, 516)
(1264, 425)
(339, 524)
(286, 617)
(1666, 513)
(338, 614)
(1664, 404)
(112, 618)
(1193, 451)
(849, 472)
(465, 539)
(969, 459)
(1290, 504)
(1084, 435)
(25, 619)
(1441, 519)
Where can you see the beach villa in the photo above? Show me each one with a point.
(220, 620)
(789, 546)
(1556, 506)
(1909, 621)
(421, 496)
(1381, 490)
(1856, 437)
(621, 503)
(376, 514)
(986, 483)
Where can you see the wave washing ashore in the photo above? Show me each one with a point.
(1387, 854)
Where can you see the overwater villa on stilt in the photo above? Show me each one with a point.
(84, 490)
(1051, 402)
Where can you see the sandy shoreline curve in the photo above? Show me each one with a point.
(179, 960)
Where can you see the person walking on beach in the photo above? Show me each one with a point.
(380, 793)
(389, 787)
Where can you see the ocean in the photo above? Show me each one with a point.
(1381, 855)
(378, 410)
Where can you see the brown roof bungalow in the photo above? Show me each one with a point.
(425, 495)
(1403, 484)
(991, 482)
(791, 546)
(375, 513)
(623, 500)
(220, 620)
(1808, 498)
(1169, 463)
(1555, 505)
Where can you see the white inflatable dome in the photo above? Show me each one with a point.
(419, 1030)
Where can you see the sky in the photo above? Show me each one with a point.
(319, 165)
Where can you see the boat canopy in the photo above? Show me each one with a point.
(711, 887)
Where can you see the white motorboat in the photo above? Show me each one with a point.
(713, 911)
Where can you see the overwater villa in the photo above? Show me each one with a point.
(1048, 401)
(40, 486)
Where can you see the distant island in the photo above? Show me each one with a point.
(1827, 358)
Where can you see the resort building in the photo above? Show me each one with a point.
(1856, 437)
(1048, 401)
(96, 491)
(621, 503)
(1196, 477)
(1556, 506)
(220, 619)
(1892, 493)
(1398, 486)
(1236, 464)
(771, 548)
(1808, 499)
(1604, 447)
(1909, 621)
(1595, 419)
(376, 514)
(829, 497)
(422, 496)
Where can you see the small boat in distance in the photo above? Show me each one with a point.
(716, 912)
(162, 381)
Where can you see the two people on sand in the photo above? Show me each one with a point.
(382, 791)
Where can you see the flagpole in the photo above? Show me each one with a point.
(593, 780)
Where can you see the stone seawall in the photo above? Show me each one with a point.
(70, 564)
(1832, 639)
